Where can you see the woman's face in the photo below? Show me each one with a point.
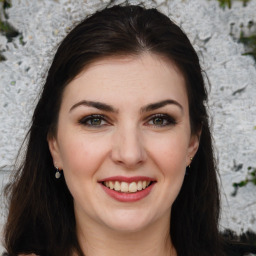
(124, 141)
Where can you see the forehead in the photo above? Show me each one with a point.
(143, 60)
(146, 76)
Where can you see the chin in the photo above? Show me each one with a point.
(127, 228)
(128, 222)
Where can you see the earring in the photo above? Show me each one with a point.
(191, 158)
(187, 172)
(57, 173)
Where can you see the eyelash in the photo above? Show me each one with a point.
(165, 118)
(85, 120)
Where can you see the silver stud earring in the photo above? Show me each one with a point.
(57, 173)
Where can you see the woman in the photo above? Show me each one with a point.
(119, 158)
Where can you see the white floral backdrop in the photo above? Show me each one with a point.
(213, 32)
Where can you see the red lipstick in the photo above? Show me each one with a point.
(128, 196)
(127, 179)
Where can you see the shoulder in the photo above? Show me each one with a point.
(32, 254)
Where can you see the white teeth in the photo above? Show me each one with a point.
(117, 186)
(124, 187)
(139, 186)
(111, 185)
(133, 187)
(127, 187)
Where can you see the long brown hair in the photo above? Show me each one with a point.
(41, 217)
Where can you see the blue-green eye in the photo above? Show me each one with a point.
(93, 121)
(161, 120)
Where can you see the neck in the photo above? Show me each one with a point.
(98, 240)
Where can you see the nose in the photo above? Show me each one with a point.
(128, 149)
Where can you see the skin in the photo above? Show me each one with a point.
(129, 141)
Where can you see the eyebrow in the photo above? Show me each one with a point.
(109, 108)
(95, 104)
(160, 104)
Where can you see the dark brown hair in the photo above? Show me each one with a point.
(41, 217)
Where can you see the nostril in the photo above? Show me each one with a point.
(128, 151)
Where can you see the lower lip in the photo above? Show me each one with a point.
(128, 197)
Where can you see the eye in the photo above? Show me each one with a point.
(161, 120)
(93, 121)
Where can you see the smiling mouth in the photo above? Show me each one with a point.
(126, 187)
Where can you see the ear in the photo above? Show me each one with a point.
(193, 147)
(55, 152)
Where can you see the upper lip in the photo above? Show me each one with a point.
(127, 179)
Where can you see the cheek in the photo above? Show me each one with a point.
(169, 155)
(80, 162)
(80, 155)
(172, 163)
(170, 152)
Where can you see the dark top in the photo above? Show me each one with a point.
(231, 249)
(239, 249)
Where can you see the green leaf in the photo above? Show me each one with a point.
(242, 183)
